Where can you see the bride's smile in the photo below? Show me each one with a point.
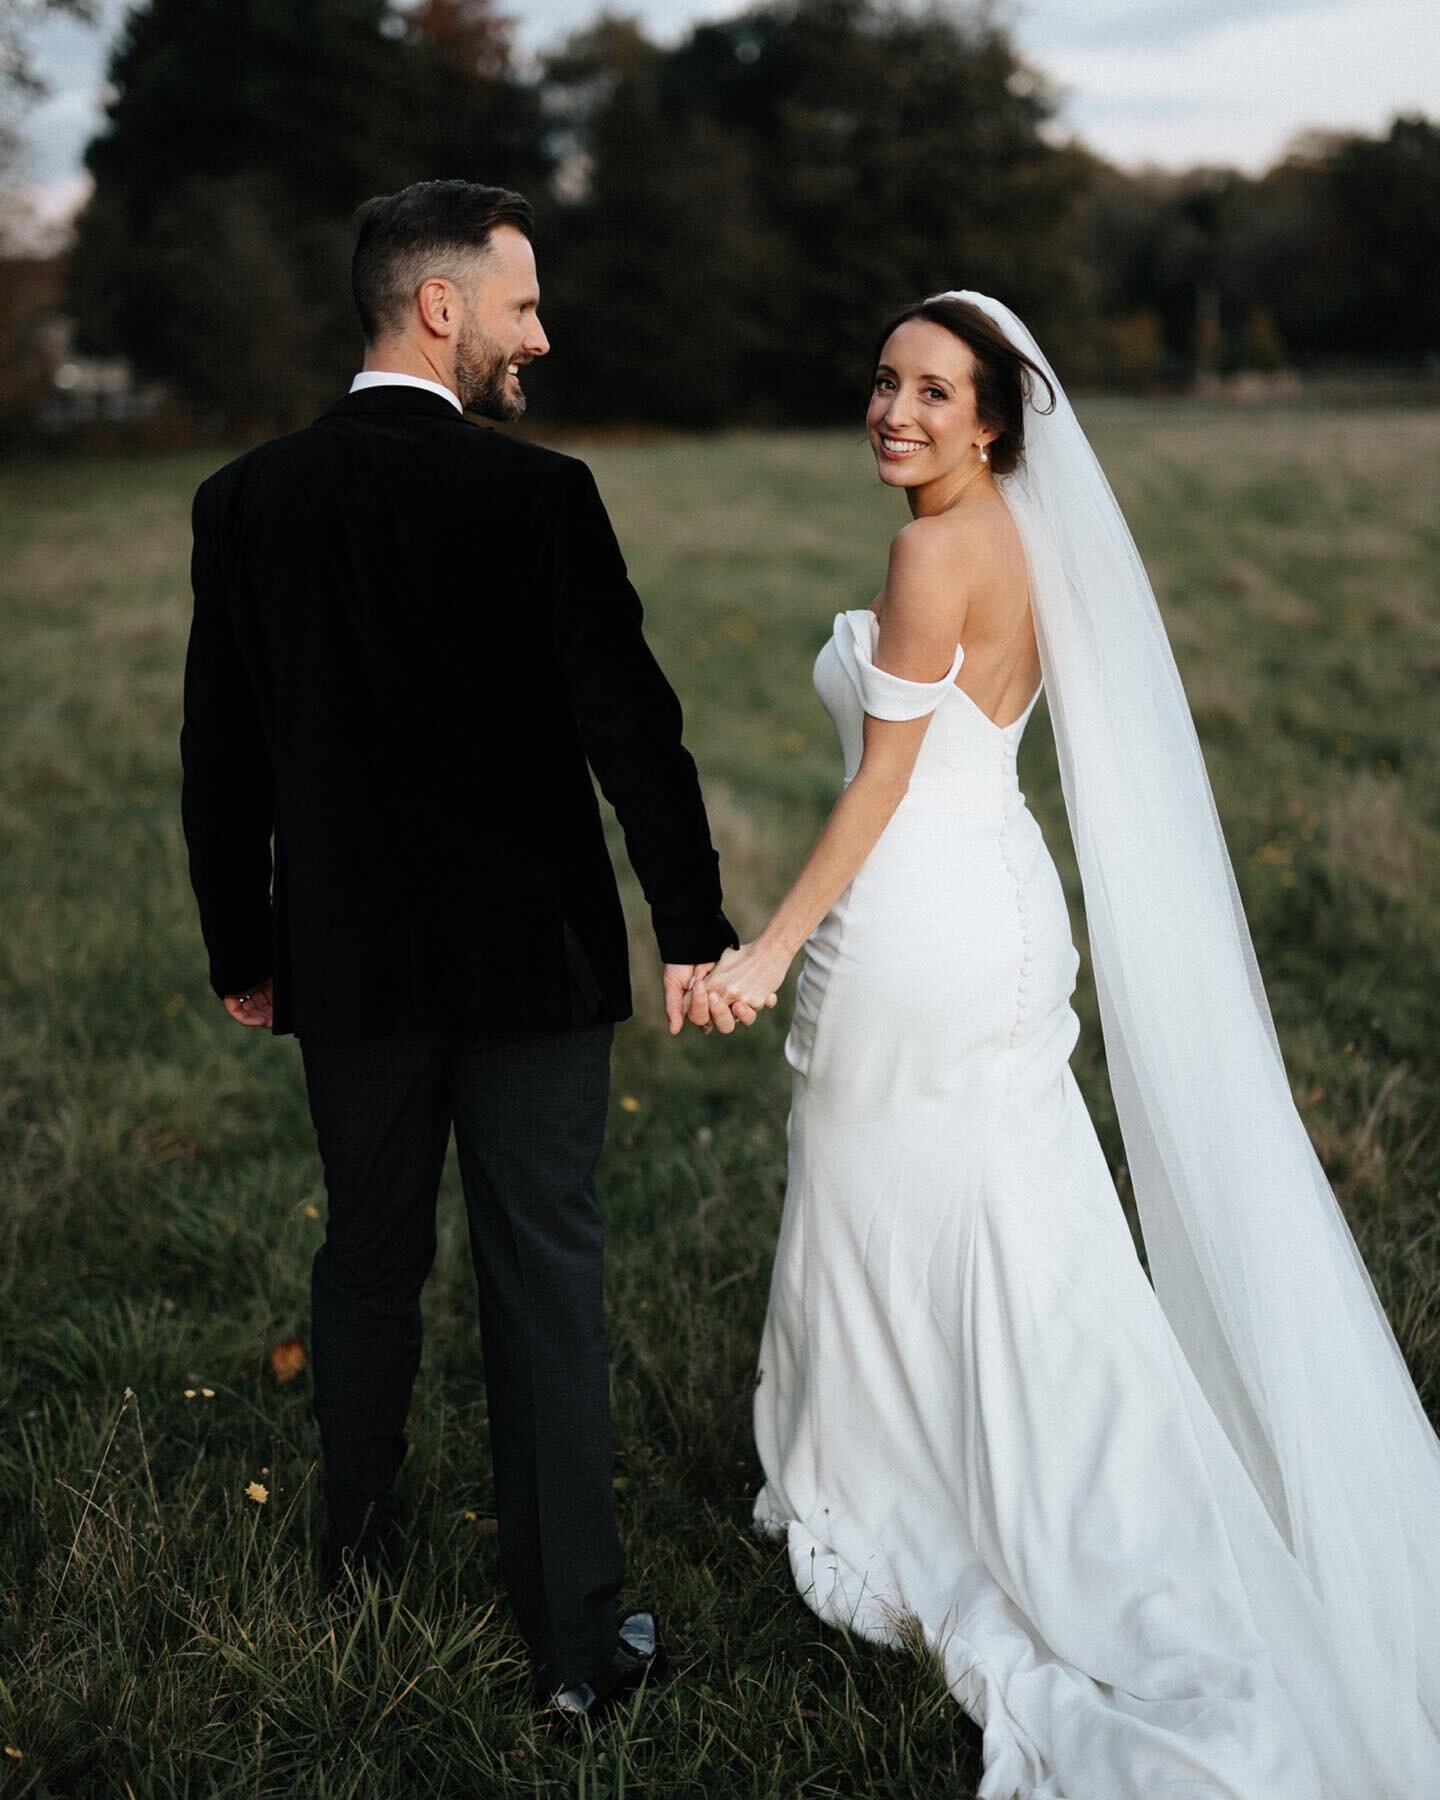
(899, 447)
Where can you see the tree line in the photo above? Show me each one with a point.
(724, 222)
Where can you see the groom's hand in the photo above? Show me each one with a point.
(255, 1006)
(677, 979)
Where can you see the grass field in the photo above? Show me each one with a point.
(159, 1634)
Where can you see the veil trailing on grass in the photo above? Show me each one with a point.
(1309, 1409)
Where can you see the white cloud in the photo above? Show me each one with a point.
(1238, 94)
(54, 201)
(1137, 24)
(57, 130)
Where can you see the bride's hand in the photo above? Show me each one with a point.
(741, 985)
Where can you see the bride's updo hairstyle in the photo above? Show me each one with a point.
(1004, 376)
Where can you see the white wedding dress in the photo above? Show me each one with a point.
(971, 1409)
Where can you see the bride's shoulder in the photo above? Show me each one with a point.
(970, 530)
(953, 551)
(925, 584)
(920, 546)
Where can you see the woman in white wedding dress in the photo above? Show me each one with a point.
(1180, 1541)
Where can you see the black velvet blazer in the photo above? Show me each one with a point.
(411, 636)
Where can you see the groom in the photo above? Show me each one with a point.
(413, 641)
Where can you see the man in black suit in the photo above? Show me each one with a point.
(413, 640)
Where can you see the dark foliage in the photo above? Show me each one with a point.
(745, 208)
(723, 224)
(215, 251)
(1329, 256)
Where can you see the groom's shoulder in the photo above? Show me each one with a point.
(509, 462)
(523, 457)
(512, 464)
(555, 482)
(230, 479)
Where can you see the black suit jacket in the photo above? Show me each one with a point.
(411, 635)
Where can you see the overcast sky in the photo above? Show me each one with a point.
(1165, 82)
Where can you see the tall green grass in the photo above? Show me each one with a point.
(159, 1634)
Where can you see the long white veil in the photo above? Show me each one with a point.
(1249, 1252)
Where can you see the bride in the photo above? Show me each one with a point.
(1177, 1541)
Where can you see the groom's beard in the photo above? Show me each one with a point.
(480, 378)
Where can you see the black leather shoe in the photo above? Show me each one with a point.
(638, 1656)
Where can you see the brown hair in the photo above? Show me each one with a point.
(427, 228)
(1004, 376)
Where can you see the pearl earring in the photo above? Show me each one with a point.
(984, 454)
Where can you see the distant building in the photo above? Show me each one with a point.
(46, 386)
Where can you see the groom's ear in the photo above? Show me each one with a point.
(438, 303)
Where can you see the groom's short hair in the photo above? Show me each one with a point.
(428, 228)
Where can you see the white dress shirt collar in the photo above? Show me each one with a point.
(368, 378)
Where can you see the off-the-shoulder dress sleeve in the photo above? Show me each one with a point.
(883, 695)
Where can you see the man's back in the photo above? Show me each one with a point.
(425, 613)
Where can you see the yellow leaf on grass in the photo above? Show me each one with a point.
(628, 1103)
(258, 1492)
(10, 1750)
(287, 1359)
(312, 1211)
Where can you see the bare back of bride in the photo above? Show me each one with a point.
(1166, 1540)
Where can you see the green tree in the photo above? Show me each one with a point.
(1328, 255)
(1380, 243)
(749, 205)
(243, 133)
(650, 252)
(484, 120)
(1157, 243)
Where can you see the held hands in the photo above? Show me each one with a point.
(255, 1006)
(684, 985)
(736, 989)
(677, 979)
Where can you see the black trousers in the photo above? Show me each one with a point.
(529, 1119)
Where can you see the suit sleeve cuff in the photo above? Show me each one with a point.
(694, 940)
(243, 963)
